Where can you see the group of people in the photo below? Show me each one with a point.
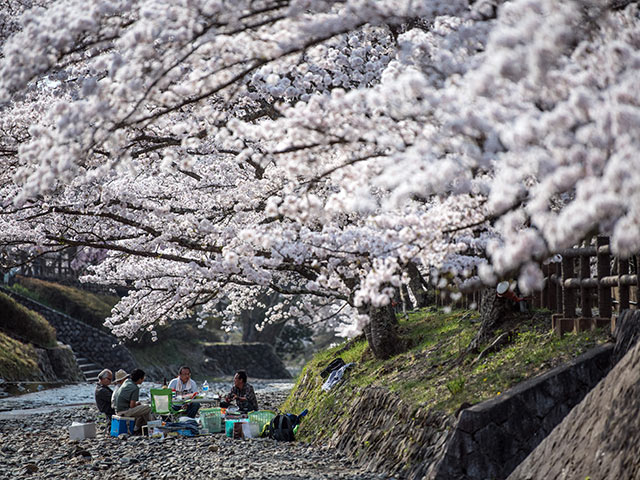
(124, 400)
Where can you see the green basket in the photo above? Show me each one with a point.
(261, 417)
(211, 420)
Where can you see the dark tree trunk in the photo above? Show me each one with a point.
(416, 284)
(381, 332)
(268, 334)
(493, 312)
(250, 318)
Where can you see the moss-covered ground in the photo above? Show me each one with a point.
(435, 372)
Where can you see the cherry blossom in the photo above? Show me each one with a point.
(213, 151)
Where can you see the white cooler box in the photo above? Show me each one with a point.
(80, 431)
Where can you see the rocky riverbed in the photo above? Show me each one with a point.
(38, 446)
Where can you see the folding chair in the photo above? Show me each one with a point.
(161, 402)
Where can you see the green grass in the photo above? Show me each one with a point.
(88, 307)
(17, 360)
(21, 322)
(435, 372)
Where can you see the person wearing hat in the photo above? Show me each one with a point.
(103, 393)
(127, 403)
(121, 376)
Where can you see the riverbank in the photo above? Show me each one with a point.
(38, 446)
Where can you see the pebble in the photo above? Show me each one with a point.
(37, 446)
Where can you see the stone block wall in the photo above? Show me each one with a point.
(98, 346)
(383, 434)
(57, 364)
(493, 437)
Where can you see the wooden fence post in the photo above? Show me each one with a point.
(585, 293)
(604, 270)
(568, 294)
(558, 270)
(552, 302)
(623, 290)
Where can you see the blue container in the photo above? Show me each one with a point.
(120, 425)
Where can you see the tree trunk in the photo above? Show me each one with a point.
(493, 311)
(269, 333)
(381, 332)
(416, 284)
(250, 318)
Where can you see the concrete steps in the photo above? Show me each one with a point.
(89, 369)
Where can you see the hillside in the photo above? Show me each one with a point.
(18, 361)
(433, 378)
(20, 328)
(91, 308)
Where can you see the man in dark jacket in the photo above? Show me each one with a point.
(103, 393)
(242, 392)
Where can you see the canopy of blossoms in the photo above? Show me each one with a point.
(219, 149)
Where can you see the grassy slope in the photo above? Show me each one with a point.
(89, 307)
(17, 360)
(435, 372)
(25, 324)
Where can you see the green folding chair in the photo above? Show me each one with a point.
(162, 404)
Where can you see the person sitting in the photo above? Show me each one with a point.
(184, 385)
(121, 376)
(103, 394)
(242, 392)
(127, 404)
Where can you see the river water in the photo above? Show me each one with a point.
(51, 399)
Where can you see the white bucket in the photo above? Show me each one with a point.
(250, 430)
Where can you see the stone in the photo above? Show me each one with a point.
(607, 421)
(626, 333)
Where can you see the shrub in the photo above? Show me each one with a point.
(24, 323)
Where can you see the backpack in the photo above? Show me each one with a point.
(281, 428)
(334, 365)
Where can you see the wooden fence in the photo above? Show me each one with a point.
(588, 287)
(50, 267)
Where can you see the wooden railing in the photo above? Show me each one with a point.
(574, 294)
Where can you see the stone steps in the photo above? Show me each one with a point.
(89, 369)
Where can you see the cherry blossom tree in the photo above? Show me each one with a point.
(316, 149)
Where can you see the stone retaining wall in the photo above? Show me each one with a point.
(382, 433)
(99, 347)
(493, 437)
(599, 438)
(488, 440)
(258, 359)
(58, 364)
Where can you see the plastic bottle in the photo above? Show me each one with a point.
(205, 388)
